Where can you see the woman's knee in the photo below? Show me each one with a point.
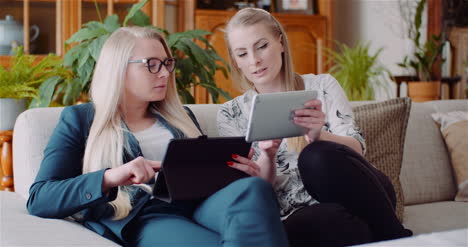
(320, 156)
(254, 187)
(326, 225)
(253, 184)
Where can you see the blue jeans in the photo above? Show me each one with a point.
(244, 213)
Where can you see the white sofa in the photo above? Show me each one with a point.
(427, 179)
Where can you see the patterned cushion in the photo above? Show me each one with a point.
(383, 126)
(454, 126)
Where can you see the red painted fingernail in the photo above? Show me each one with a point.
(234, 156)
(230, 163)
(137, 183)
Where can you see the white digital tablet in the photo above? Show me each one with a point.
(271, 115)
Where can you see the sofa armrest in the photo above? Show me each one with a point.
(31, 134)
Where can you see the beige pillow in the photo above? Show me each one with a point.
(383, 125)
(454, 128)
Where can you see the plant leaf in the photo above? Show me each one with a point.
(96, 46)
(86, 34)
(190, 34)
(72, 92)
(94, 25)
(218, 90)
(84, 56)
(72, 55)
(46, 91)
(200, 55)
(185, 95)
(140, 19)
(133, 10)
(111, 23)
(85, 72)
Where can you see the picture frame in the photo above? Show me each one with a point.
(295, 6)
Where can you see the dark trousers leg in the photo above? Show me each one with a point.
(327, 225)
(334, 173)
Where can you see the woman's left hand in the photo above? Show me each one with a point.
(246, 164)
(311, 118)
(265, 167)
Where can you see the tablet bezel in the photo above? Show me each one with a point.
(271, 115)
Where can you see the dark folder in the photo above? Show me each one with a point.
(195, 168)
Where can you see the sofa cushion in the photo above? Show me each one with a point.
(457, 237)
(426, 174)
(383, 126)
(436, 216)
(18, 228)
(454, 128)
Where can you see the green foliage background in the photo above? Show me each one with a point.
(357, 71)
(23, 78)
(195, 66)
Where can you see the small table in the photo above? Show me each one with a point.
(6, 161)
(450, 81)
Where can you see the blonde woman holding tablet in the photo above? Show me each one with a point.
(329, 194)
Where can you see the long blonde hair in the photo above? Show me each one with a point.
(291, 80)
(107, 136)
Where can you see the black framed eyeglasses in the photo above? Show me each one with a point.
(154, 64)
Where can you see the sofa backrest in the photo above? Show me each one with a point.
(426, 172)
(206, 116)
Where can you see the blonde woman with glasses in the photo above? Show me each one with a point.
(103, 156)
(329, 194)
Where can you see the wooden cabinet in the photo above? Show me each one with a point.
(58, 20)
(308, 35)
(6, 160)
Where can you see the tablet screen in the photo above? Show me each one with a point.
(195, 168)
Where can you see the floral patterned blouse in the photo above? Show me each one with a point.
(233, 117)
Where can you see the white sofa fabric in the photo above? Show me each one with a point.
(426, 177)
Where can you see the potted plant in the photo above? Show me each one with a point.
(425, 87)
(19, 83)
(195, 65)
(358, 71)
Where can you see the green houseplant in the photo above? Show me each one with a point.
(425, 56)
(358, 71)
(20, 82)
(196, 65)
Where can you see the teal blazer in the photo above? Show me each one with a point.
(61, 190)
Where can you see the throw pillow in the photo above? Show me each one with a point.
(454, 128)
(383, 125)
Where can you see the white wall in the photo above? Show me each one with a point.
(380, 22)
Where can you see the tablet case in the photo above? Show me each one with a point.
(195, 168)
(271, 115)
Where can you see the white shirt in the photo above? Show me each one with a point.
(153, 141)
(232, 120)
